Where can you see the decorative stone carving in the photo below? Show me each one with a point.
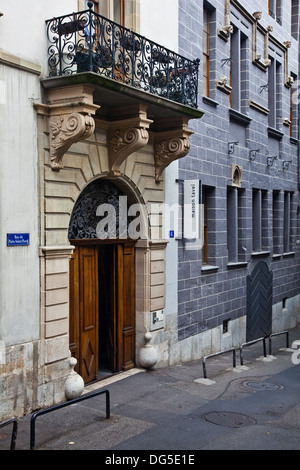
(236, 175)
(70, 111)
(223, 86)
(127, 136)
(168, 151)
(124, 142)
(171, 145)
(227, 29)
(257, 15)
(66, 130)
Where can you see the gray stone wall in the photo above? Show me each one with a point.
(209, 294)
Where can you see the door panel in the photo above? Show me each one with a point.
(74, 308)
(126, 294)
(259, 302)
(107, 309)
(88, 265)
(102, 308)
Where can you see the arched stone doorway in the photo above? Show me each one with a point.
(102, 282)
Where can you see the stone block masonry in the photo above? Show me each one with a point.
(213, 289)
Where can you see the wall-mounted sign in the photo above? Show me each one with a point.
(191, 217)
(18, 239)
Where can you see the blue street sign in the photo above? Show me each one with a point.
(17, 239)
(171, 233)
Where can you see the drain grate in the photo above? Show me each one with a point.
(263, 385)
(225, 418)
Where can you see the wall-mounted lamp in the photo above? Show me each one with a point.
(252, 154)
(264, 88)
(270, 161)
(231, 146)
(285, 165)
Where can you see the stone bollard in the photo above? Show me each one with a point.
(148, 355)
(74, 384)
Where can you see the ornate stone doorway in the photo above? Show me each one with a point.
(102, 289)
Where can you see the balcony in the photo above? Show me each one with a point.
(87, 42)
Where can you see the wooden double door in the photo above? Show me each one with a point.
(102, 309)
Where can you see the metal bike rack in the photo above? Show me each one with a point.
(277, 334)
(248, 344)
(218, 354)
(62, 405)
(13, 421)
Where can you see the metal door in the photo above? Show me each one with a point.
(259, 302)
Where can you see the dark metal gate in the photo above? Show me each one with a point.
(259, 302)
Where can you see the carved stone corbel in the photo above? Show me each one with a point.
(127, 136)
(66, 130)
(222, 85)
(170, 145)
(70, 111)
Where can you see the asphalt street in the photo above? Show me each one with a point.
(166, 410)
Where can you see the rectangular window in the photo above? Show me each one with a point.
(276, 226)
(238, 70)
(206, 52)
(235, 225)
(209, 245)
(293, 111)
(260, 219)
(275, 10)
(287, 222)
(295, 19)
(275, 93)
(114, 10)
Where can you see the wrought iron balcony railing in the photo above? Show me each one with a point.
(86, 41)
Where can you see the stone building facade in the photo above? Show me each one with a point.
(245, 154)
(97, 123)
(96, 111)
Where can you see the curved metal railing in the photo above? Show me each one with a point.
(86, 41)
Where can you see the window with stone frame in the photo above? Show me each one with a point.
(275, 93)
(277, 222)
(238, 70)
(209, 225)
(295, 12)
(287, 222)
(236, 218)
(114, 10)
(260, 220)
(206, 52)
(275, 7)
(293, 111)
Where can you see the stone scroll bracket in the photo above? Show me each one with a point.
(170, 145)
(127, 133)
(70, 112)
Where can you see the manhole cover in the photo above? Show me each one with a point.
(4, 436)
(233, 420)
(263, 386)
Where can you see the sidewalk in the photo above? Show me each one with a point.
(251, 407)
